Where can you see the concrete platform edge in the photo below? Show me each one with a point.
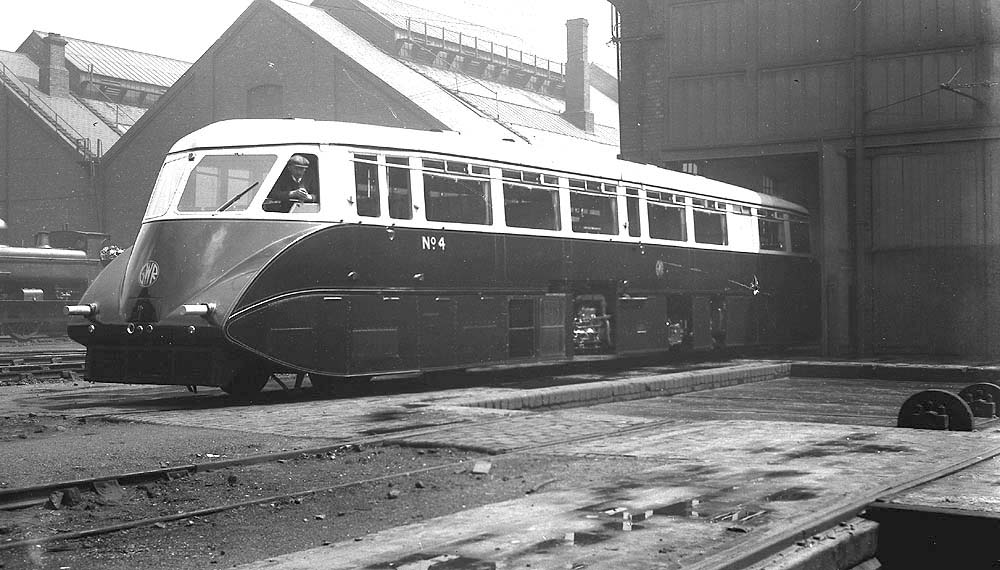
(633, 388)
(890, 371)
(847, 545)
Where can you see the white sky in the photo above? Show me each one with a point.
(184, 29)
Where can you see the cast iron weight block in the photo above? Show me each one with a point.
(982, 399)
(935, 409)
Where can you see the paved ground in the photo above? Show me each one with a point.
(721, 489)
(761, 458)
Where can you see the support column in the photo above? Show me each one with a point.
(837, 268)
(862, 190)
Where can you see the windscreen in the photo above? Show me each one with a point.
(171, 174)
(224, 182)
(209, 183)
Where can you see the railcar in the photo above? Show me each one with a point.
(36, 282)
(433, 250)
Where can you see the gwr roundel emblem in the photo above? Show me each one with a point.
(149, 273)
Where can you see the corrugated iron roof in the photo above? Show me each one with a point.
(538, 120)
(83, 122)
(123, 63)
(398, 13)
(523, 108)
(462, 82)
(20, 65)
(117, 116)
(404, 80)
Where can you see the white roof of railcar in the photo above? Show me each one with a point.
(271, 132)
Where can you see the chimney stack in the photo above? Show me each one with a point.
(578, 76)
(53, 77)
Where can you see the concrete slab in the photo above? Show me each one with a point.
(723, 491)
(976, 489)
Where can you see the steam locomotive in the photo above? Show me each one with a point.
(37, 282)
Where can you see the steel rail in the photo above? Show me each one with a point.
(274, 498)
(759, 548)
(22, 497)
(729, 559)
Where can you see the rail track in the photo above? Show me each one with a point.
(41, 364)
(204, 506)
(38, 495)
(757, 549)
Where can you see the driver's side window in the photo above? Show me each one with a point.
(297, 188)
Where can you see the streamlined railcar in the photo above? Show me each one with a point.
(401, 251)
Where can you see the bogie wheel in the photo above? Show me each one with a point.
(248, 382)
(337, 386)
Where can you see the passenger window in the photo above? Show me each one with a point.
(666, 220)
(710, 226)
(400, 200)
(366, 185)
(632, 203)
(592, 212)
(534, 206)
(771, 232)
(800, 237)
(297, 187)
(455, 198)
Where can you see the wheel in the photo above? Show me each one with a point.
(247, 382)
(23, 330)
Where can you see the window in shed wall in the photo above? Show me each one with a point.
(265, 102)
(800, 236)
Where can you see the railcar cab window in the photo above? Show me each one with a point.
(456, 192)
(593, 207)
(366, 185)
(297, 187)
(531, 200)
(667, 219)
(771, 229)
(224, 182)
(167, 183)
(710, 222)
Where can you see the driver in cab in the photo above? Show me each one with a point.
(292, 187)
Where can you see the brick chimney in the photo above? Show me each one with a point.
(578, 76)
(53, 77)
